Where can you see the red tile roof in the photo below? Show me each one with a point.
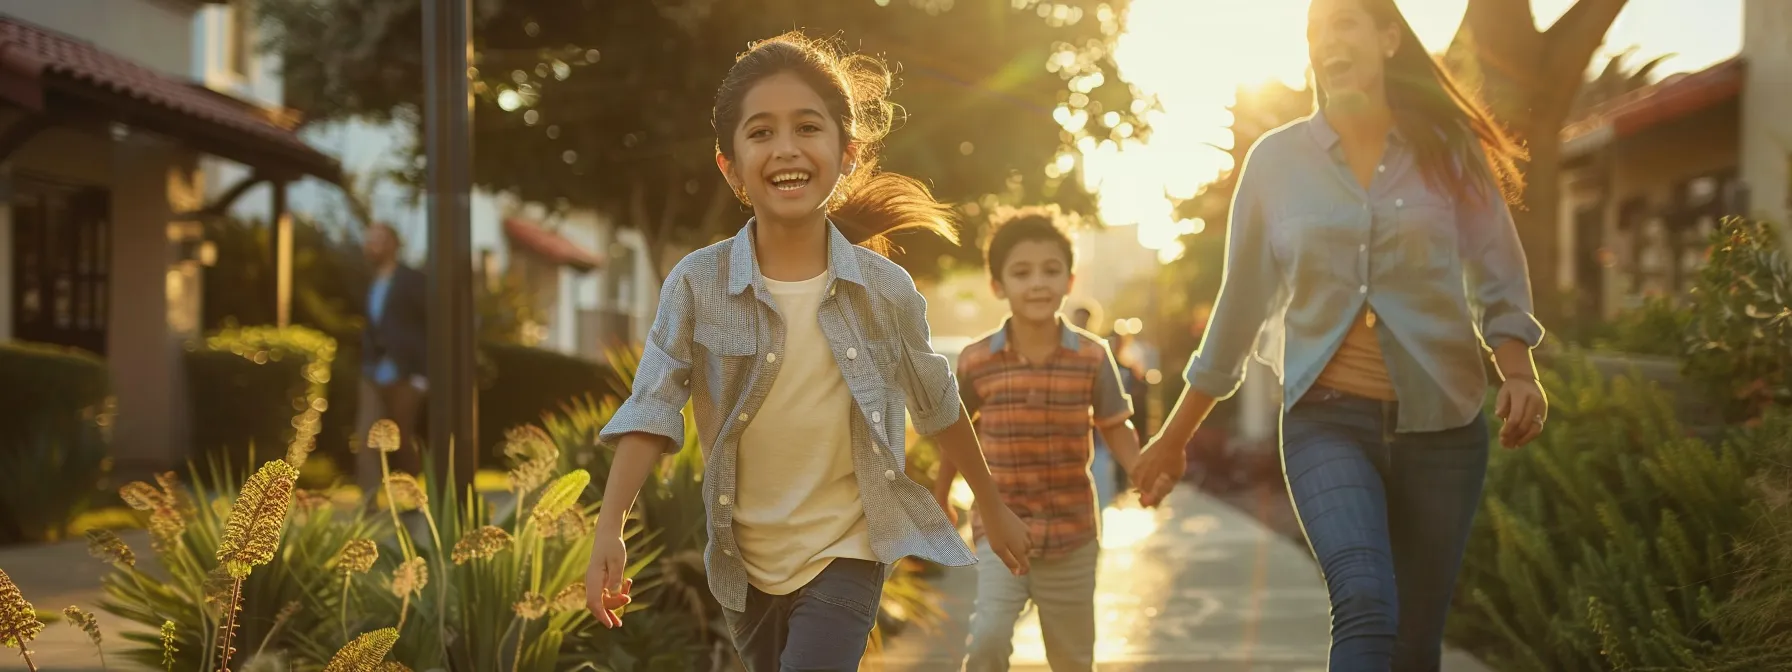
(40, 69)
(1669, 99)
(549, 245)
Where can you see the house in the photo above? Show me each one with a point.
(1646, 177)
(581, 269)
(103, 136)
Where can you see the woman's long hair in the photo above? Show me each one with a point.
(1440, 120)
(869, 203)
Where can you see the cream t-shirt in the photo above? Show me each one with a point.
(799, 503)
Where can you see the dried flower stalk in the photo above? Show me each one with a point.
(85, 622)
(366, 653)
(480, 544)
(18, 619)
(105, 545)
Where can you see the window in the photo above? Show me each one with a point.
(239, 45)
(61, 260)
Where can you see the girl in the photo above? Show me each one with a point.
(1374, 235)
(801, 353)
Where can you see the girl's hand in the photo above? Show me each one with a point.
(606, 591)
(1162, 465)
(1523, 408)
(1007, 536)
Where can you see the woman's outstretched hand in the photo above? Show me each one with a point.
(1161, 465)
(1523, 408)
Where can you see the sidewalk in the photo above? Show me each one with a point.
(1194, 585)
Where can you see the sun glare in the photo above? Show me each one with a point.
(1192, 56)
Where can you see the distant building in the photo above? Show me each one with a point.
(1646, 177)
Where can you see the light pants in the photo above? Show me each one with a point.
(1063, 588)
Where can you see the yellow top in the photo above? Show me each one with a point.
(1358, 367)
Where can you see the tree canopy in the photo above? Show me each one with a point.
(605, 104)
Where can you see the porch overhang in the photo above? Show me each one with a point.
(550, 246)
(1673, 98)
(55, 77)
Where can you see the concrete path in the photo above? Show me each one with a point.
(1194, 585)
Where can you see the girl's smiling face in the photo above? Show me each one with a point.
(789, 150)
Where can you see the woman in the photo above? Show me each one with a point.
(1374, 240)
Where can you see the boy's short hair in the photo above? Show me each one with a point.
(1011, 227)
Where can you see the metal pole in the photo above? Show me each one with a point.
(448, 113)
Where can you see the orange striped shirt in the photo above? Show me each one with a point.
(1034, 420)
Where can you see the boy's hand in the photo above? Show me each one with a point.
(1157, 492)
(1007, 536)
(606, 591)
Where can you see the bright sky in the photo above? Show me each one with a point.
(1194, 53)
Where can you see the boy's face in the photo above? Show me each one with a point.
(787, 152)
(1034, 279)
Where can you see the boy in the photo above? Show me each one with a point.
(1035, 388)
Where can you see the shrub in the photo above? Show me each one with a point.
(1658, 327)
(261, 387)
(1741, 323)
(1758, 617)
(521, 383)
(57, 413)
(1607, 544)
(287, 602)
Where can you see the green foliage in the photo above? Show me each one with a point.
(1607, 544)
(56, 408)
(329, 279)
(1658, 327)
(1741, 326)
(1759, 615)
(187, 587)
(518, 383)
(258, 386)
(980, 83)
(498, 612)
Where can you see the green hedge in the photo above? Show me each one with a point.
(1610, 542)
(258, 386)
(55, 413)
(518, 384)
(48, 387)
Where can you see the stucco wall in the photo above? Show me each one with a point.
(155, 33)
(1767, 109)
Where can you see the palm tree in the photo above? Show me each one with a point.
(1615, 81)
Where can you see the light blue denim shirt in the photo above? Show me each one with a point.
(1307, 246)
(718, 340)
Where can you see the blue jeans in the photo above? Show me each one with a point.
(1388, 517)
(825, 625)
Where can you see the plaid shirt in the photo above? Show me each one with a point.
(718, 341)
(1034, 421)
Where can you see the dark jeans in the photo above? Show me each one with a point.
(823, 626)
(1388, 517)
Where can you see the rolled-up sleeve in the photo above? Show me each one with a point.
(1499, 277)
(656, 403)
(1249, 287)
(926, 376)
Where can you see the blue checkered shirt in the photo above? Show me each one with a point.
(718, 341)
